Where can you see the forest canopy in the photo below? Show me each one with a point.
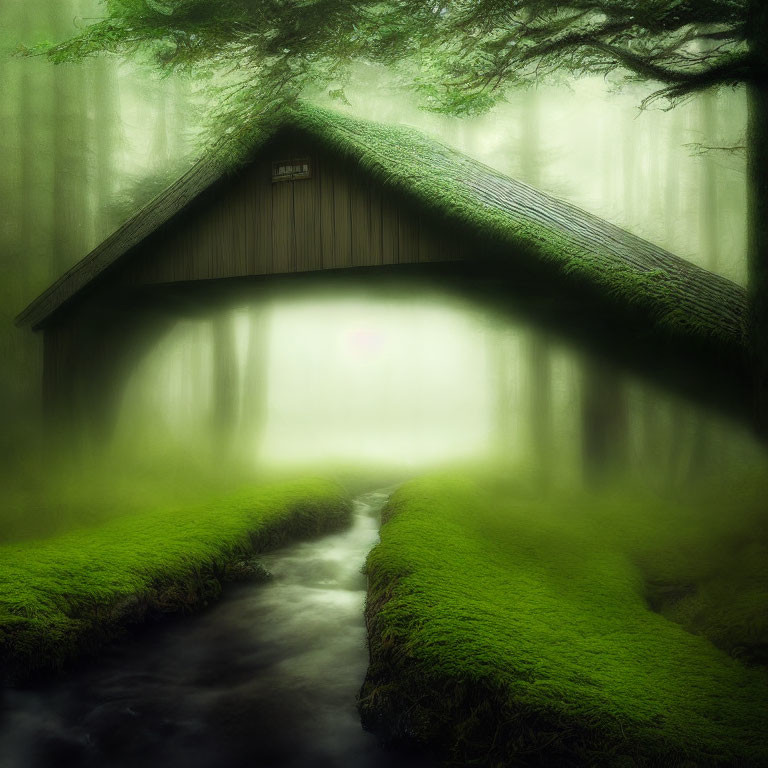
(460, 55)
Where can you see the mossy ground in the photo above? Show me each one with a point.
(510, 627)
(65, 595)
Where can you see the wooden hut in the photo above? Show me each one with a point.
(321, 192)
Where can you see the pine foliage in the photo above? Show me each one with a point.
(460, 55)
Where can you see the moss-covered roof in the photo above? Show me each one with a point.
(675, 294)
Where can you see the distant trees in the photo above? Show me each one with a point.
(253, 415)
(605, 422)
(69, 193)
(104, 138)
(62, 150)
(225, 382)
(708, 234)
(500, 350)
(238, 384)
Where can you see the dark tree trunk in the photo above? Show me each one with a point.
(88, 359)
(757, 173)
(540, 402)
(604, 423)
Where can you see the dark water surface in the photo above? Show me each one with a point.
(266, 678)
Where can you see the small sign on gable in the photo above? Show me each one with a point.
(290, 170)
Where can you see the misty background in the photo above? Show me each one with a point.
(354, 377)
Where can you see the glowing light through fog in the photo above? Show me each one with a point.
(403, 382)
(364, 341)
(375, 381)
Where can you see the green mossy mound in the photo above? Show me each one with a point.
(506, 628)
(65, 596)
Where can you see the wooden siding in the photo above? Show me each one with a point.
(249, 225)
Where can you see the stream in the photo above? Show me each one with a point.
(266, 678)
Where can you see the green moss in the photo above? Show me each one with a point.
(67, 594)
(679, 297)
(510, 627)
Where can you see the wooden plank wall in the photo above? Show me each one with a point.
(252, 226)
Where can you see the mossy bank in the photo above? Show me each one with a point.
(64, 596)
(510, 628)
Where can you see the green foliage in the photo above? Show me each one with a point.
(500, 616)
(459, 54)
(69, 593)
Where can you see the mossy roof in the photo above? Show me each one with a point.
(675, 294)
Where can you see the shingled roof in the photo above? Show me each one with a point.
(675, 294)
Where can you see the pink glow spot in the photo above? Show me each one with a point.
(365, 341)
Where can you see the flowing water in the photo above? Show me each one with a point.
(266, 678)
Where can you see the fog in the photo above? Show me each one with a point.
(360, 380)
(409, 381)
(344, 378)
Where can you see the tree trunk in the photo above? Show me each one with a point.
(253, 413)
(27, 180)
(105, 140)
(757, 176)
(224, 409)
(604, 418)
(604, 423)
(69, 209)
(160, 143)
(540, 403)
(708, 209)
(530, 144)
(629, 167)
(501, 354)
(672, 186)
